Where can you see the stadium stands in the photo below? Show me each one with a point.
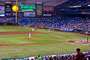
(64, 57)
(62, 23)
(55, 57)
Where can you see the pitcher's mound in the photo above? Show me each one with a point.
(71, 41)
(32, 38)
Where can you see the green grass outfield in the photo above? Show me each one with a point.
(28, 51)
(22, 39)
(18, 52)
(13, 28)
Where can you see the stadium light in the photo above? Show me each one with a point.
(74, 6)
(15, 8)
(88, 5)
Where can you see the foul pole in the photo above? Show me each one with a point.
(16, 13)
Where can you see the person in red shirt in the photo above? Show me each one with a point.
(79, 55)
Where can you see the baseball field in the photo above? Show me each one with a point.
(15, 42)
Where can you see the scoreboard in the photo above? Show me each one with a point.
(35, 10)
(39, 6)
(8, 9)
(2, 11)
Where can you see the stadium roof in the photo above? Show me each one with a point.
(45, 2)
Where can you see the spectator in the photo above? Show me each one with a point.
(39, 57)
(79, 55)
(50, 58)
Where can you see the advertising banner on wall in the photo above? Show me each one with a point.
(47, 15)
(27, 8)
(48, 8)
(19, 14)
(29, 14)
(85, 12)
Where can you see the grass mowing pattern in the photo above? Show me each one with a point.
(13, 28)
(67, 35)
(18, 52)
(71, 35)
(22, 39)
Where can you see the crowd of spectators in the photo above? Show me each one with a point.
(64, 23)
(3, 20)
(73, 56)
(78, 56)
